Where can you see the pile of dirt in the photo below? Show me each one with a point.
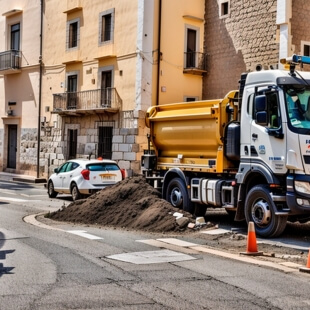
(131, 203)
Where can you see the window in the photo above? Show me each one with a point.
(106, 26)
(224, 8)
(15, 37)
(190, 99)
(73, 33)
(191, 47)
(305, 48)
(72, 86)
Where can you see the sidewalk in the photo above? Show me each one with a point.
(5, 176)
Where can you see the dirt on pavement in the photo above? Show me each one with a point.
(133, 204)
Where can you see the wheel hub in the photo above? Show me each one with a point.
(261, 213)
(176, 197)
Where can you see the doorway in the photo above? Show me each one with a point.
(12, 146)
(105, 142)
(106, 90)
(72, 92)
(72, 143)
(191, 48)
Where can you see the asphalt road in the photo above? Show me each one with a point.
(46, 265)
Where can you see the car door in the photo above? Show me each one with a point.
(268, 145)
(57, 178)
(67, 176)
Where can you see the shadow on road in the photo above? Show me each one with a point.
(296, 231)
(4, 270)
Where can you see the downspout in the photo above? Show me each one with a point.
(159, 52)
(40, 92)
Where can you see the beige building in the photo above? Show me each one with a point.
(103, 69)
(19, 84)
(103, 64)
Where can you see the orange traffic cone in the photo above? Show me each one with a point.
(251, 242)
(307, 268)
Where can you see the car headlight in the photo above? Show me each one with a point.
(302, 187)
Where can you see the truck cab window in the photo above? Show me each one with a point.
(273, 110)
(266, 109)
(250, 107)
(298, 107)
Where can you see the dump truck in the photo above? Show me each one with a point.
(248, 153)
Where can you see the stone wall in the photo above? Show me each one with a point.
(128, 142)
(237, 42)
(300, 25)
(28, 151)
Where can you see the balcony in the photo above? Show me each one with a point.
(10, 62)
(87, 102)
(195, 63)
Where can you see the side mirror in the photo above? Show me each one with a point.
(261, 115)
(260, 103)
(262, 118)
(56, 170)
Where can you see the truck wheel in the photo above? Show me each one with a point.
(177, 195)
(50, 190)
(75, 192)
(260, 209)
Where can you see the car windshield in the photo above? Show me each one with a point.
(102, 167)
(298, 107)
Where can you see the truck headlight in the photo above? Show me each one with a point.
(302, 187)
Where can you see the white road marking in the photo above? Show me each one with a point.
(151, 257)
(31, 219)
(164, 245)
(26, 195)
(217, 231)
(84, 234)
(13, 199)
(177, 242)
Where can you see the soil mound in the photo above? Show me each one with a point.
(131, 203)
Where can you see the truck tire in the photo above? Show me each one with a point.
(177, 195)
(260, 209)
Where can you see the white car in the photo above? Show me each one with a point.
(83, 177)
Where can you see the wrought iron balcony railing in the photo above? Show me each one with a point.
(98, 99)
(10, 60)
(195, 62)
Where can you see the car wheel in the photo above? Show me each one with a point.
(76, 195)
(50, 190)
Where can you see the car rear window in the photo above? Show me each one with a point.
(102, 167)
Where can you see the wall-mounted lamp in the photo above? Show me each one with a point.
(9, 112)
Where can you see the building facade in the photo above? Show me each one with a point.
(243, 36)
(77, 76)
(99, 66)
(105, 64)
(19, 85)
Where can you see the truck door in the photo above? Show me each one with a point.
(267, 139)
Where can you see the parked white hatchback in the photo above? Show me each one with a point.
(83, 177)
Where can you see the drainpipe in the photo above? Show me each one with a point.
(159, 53)
(40, 93)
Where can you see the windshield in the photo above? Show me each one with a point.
(298, 107)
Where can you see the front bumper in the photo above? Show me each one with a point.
(297, 195)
